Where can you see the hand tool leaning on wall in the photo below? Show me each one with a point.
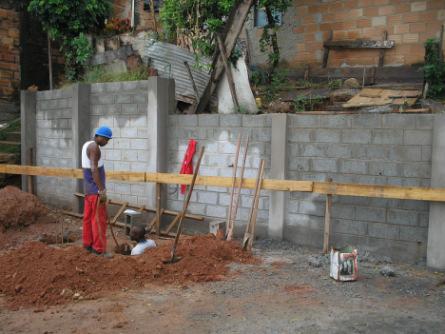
(173, 257)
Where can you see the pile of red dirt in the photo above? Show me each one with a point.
(18, 208)
(37, 274)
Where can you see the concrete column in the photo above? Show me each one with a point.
(81, 132)
(436, 227)
(28, 101)
(278, 170)
(161, 103)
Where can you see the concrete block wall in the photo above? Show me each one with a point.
(123, 107)
(54, 144)
(370, 149)
(219, 135)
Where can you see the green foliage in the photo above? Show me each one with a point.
(434, 69)
(278, 79)
(334, 83)
(67, 21)
(197, 19)
(99, 74)
(306, 103)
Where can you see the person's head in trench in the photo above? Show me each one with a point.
(103, 135)
(137, 233)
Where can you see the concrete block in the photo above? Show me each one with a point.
(405, 153)
(220, 160)
(105, 109)
(324, 165)
(304, 121)
(420, 169)
(143, 133)
(299, 135)
(398, 121)
(426, 153)
(299, 164)
(224, 199)
(129, 132)
(124, 143)
(113, 155)
(335, 121)
(376, 151)
(257, 121)
(423, 219)
(354, 136)
(125, 99)
(208, 120)
(216, 211)
(193, 197)
(129, 109)
(327, 135)
(140, 98)
(410, 233)
(207, 197)
(309, 150)
(384, 231)
(130, 85)
(187, 120)
(338, 151)
(102, 99)
(424, 122)
(343, 211)
(121, 166)
(262, 135)
(310, 222)
(371, 214)
(139, 144)
(226, 148)
(384, 168)
(228, 121)
(218, 134)
(129, 155)
(366, 121)
(138, 167)
(391, 137)
(402, 217)
(197, 208)
(353, 166)
(418, 137)
(312, 208)
(122, 188)
(351, 227)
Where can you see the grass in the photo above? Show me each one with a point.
(97, 74)
(13, 126)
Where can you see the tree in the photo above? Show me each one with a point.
(68, 22)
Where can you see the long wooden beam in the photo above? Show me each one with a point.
(332, 188)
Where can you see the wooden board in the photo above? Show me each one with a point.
(369, 97)
(360, 44)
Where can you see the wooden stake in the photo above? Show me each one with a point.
(232, 190)
(172, 224)
(119, 212)
(227, 68)
(237, 194)
(382, 51)
(327, 222)
(158, 208)
(249, 234)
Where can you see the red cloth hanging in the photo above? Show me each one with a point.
(187, 163)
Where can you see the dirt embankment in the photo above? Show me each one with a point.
(36, 274)
(19, 209)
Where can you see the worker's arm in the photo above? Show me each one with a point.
(93, 153)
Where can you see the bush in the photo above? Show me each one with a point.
(434, 69)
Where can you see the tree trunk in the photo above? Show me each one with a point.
(274, 59)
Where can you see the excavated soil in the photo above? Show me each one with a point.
(19, 209)
(38, 275)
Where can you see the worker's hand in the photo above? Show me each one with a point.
(102, 196)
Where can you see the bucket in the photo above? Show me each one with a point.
(344, 265)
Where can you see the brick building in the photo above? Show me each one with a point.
(307, 23)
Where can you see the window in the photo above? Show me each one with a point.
(147, 3)
(261, 18)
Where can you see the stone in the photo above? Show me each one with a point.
(134, 61)
(315, 262)
(387, 271)
(351, 83)
(343, 94)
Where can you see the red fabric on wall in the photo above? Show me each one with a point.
(187, 162)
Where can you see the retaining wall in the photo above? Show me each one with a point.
(392, 149)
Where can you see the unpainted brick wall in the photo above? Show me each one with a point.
(387, 149)
(9, 56)
(54, 145)
(219, 135)
(306, 26)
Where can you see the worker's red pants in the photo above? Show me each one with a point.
(94, 224)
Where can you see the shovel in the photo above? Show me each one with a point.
(173, 257)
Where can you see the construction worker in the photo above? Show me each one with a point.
(137, 233)
(95, 213)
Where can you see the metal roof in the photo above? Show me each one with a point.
(168, 59)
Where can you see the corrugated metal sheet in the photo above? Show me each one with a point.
(169, 59)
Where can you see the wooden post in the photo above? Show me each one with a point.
(153, 14)
(326, 50)
(158, 208)
(189, 71)
(382, 51)
(441, 43)
(30, 178)
(228, 70)
(327, 222)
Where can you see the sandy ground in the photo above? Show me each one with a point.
(290, 292)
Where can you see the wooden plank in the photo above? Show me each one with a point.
(327, 222)
(365, 190)
(119, 212)
(360, 44)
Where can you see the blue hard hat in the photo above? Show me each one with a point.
(104, 131)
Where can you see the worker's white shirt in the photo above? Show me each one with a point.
(142, 246)
(86, 162)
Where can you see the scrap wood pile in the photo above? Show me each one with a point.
(37, 274)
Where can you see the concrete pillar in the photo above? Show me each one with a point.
(278, 170)
(436, 227)
(28, 101)
(81, 132)
(161, 103)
